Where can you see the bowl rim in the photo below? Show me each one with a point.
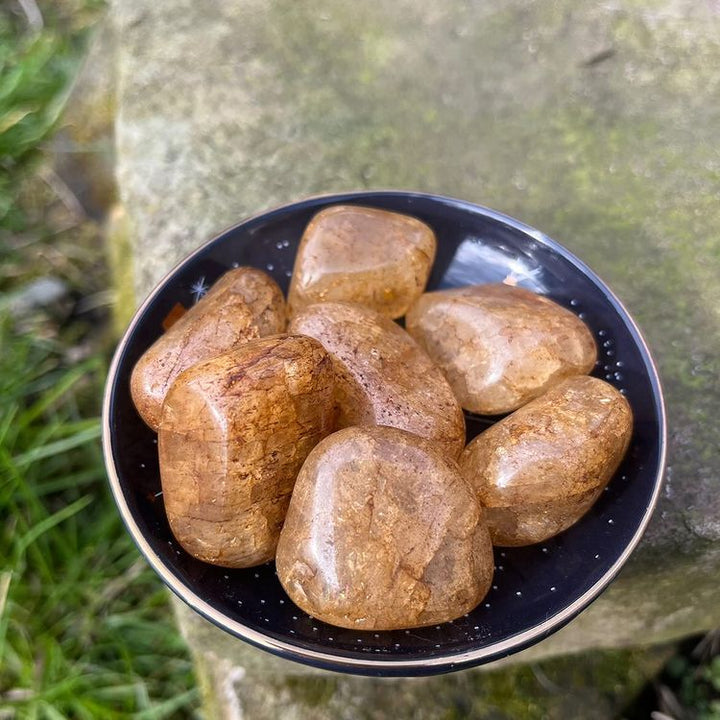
(370, 666)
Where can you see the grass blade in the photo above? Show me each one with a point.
(50, 522)
(169, 707)
(58, 446)
(66, 383)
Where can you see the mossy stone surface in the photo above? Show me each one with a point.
(595, 122)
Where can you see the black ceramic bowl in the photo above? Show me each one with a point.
(537, 589)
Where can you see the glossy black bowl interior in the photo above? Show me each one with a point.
(536, 589)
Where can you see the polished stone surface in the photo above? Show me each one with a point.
(242, 305)
(233, 435)
(500, 346)
(383, 376)
(383, 533)
(376, 258)
(539, 470)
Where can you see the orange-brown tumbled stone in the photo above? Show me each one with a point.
(540, 469)
(383, 533)
(500, 346)
(243, 304)
(234, 433)
(362, 255)
(383, 376)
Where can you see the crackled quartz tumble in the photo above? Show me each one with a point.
(540, 469)
(245, 303)
(362, 255)
(383, 377)
(234, 433)
(383, 533)
(500, 346)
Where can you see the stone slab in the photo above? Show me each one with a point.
(596, 686)
(594, 122)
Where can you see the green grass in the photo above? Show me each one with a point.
(36, 67)
(86, 629)
(690, 682)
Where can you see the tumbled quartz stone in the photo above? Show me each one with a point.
(383, 377)
(383, 533)
(539, 470)
(234, 432)
(362, 255)
(261, 294)
(242, 305)
(500, 346)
